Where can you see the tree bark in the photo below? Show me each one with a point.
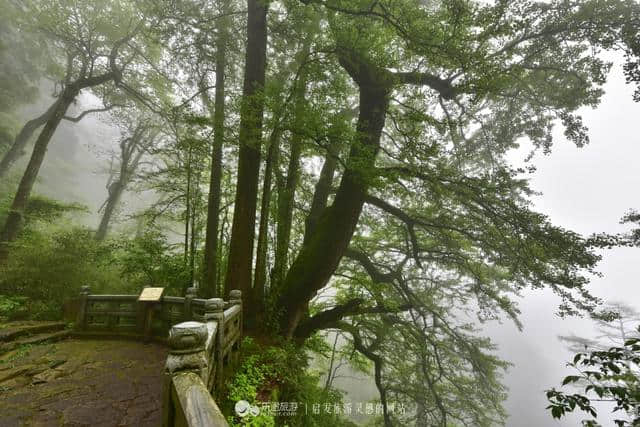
(286, 195)
(322, 191)
(258, 292)
(14, 220)
(187, 208)
(129, 161)
(251, 115)
(211, 266)
(194, 228)
(318, 259)
(22, 138)
(115, 192)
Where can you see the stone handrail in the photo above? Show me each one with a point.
(203, 336)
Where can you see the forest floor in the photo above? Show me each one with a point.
(82, 383)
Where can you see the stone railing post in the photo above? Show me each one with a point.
(188, 298)
(186, 354)
(81, 317)
(214, 310)
(186, 348)
(235, 298)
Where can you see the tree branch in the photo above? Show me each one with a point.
(443, 87)
(330, 318)
(93, 110)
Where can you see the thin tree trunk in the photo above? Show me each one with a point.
(251, 115)
(115, 192)
(14, 220)
(187, 218)
(330, 372)
(22, 138)
(210, 262)
(128, 167)
(286, 194)
(258, 291)
(285, 213)
(322, 191)
(194, 234)
(223, 228)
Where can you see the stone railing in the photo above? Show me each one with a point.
(203, 336)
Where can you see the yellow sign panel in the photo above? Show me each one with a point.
(151, 294)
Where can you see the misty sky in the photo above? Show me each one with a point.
(586, 190)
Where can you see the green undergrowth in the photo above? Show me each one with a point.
(15, 355)
(275, 379)
(49, 264)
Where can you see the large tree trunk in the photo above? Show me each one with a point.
(14, 220)
(210, 264)
(251, 115)
(22, 138)
(318, 259)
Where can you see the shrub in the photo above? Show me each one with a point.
(148, 259)
(278, 374)
(49, 265)
(12, 307)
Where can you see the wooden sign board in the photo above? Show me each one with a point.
(151, 294)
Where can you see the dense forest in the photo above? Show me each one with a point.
(343, 163)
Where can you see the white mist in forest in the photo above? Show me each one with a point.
(76, 167)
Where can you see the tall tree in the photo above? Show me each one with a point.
(239, 264)
(501, 68)
(132, 147)
(287, 189)
(211, 267)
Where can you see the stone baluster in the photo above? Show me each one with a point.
(81, 319)
(186, 357)
(186, 343)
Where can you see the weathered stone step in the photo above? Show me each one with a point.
(29, 328)
(34, 339)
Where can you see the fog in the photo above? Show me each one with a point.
(586, 190)
(583, 189)
(76, 168)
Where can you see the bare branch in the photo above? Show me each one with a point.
(93, 110)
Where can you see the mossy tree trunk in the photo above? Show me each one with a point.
(320, 255)
(21, 139)
(286, 194)
(14, 220)
(257, 296)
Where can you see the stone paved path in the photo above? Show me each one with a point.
(82, 383)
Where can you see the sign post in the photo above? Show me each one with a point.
(149, 299)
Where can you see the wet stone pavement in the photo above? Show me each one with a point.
(82, 383)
